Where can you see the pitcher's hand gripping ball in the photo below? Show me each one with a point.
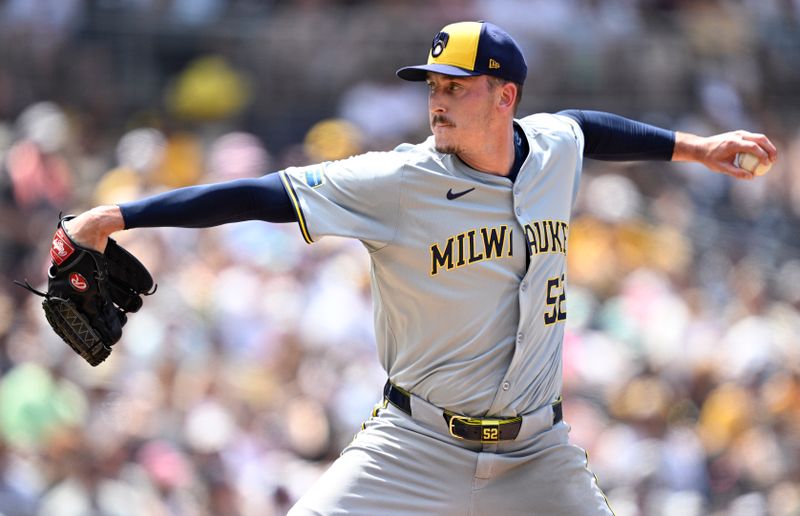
(750, 162)
(89, 294)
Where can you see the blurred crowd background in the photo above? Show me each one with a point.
(254, 364)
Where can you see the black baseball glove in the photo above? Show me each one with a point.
(89, 293)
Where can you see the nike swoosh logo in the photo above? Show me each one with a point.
(451, 195)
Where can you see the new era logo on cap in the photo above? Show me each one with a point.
(471, 48)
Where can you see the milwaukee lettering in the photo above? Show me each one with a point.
(547, 236)
(475, 245)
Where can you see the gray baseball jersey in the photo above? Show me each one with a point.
(468, 279)
(468, 268)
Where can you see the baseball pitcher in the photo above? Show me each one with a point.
(468, 233)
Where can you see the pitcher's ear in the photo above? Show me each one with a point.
(508, 94)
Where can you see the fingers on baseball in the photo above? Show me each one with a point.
(761, 146)
(758, 151)
(734, 171)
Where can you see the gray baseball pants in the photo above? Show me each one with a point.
(404, 466)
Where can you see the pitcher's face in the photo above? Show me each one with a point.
(460, 110)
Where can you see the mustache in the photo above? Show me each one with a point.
(441, 119)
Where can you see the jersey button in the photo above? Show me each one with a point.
(520, 337)
(518, 211)
(506, 385)
(523, 287)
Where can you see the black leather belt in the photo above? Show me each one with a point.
(485, 430)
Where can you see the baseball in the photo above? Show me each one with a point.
(751, 162)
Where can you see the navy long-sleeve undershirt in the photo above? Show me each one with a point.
(611, 137)
(202, 206)
(607, 137)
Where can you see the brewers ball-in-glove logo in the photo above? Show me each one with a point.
(439, 42)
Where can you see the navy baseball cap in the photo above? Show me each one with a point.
(471, 48)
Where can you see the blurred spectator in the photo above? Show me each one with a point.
(139, 153)
(38, 171)
(237, 155)
(208, 89)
